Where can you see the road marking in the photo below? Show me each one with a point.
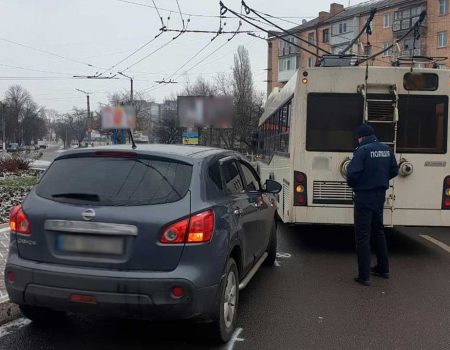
(437, 242)
(6, 229)
(283, 255)
(13, 326)
(277, 263)
(234, 338)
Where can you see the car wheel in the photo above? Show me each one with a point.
(41, 315)
(272, 247)
(225, 324)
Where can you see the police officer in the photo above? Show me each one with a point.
(369, 172)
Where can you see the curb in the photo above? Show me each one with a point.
(8, 311)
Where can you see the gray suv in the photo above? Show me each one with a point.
(161, 232)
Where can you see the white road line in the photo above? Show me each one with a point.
(13, 326)
(437, 242)
(6, 229)
(234, 338)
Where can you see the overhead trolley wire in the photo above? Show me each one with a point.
(248, 10)
(224, 9)
(49, 53)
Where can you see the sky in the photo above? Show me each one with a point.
(44, 43)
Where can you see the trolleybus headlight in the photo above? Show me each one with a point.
(300, 186)
(299, 189)
(446, 194)
(305, 81)
(344, 167)
(405, 168)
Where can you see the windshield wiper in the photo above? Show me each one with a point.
(92, 197)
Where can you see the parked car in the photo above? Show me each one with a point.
(160, 232)
(12, 147)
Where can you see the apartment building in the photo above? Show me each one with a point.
(335, 29)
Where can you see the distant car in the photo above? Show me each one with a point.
(12, 147)
(36, 147)
(160, 232)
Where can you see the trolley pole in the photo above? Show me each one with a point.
(89, 117)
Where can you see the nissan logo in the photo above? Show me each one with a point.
(88, 214)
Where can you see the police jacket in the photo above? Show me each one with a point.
(372, 166)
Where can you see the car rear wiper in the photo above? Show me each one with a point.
(92, 197)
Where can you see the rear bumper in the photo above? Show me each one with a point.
(143, 298)
(344, 216)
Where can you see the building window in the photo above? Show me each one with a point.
(367, 50)
(443, 7)
(442, 66)
(326, 35)
(342, 28)
(311, 38)
(442, 39)
(287, 48)
(388, 53)
(310, 62)
(287, 63)
(387, 20)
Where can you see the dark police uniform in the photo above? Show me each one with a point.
(369, 172)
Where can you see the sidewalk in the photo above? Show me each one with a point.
(4, 244)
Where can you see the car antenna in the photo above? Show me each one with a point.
(133, 144)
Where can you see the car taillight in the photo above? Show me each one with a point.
(300, 193)
(446, 194)
(198, 228)
(201, 227)
(18, 221)
(175, 233)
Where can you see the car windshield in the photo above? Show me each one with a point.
(115, 181)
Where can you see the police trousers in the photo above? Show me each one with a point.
(368, 215)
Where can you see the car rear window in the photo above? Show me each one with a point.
(115, 181)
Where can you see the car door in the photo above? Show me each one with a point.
(243, 209)
(264, 205)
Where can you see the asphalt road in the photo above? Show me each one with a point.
(309, 301)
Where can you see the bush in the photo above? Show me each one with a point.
(13, 165)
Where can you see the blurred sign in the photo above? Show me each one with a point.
(118, 117)
(205, 111)
(190, 138)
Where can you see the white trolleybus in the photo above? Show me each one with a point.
(307, 137)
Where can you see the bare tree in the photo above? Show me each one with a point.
(79, 124)
(166, 129)
(16, 100)
(247, 103)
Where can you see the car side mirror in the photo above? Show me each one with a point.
(272, 186)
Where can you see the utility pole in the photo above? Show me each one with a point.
(131, 101)
(89, 114)
(2, 109)
(131, 88)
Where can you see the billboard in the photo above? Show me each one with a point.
(190, 138)
(205, 111)
(118, 117)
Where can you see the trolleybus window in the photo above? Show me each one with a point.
(274, 132)
(332, 121)
(423, 123)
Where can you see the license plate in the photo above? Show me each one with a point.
(89, 244)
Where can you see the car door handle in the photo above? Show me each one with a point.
(238, 212)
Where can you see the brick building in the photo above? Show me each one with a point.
(334, 30)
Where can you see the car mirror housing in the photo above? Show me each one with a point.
(272, 186)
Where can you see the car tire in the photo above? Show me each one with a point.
(41, 315)
(223, 327)
(272, 247)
